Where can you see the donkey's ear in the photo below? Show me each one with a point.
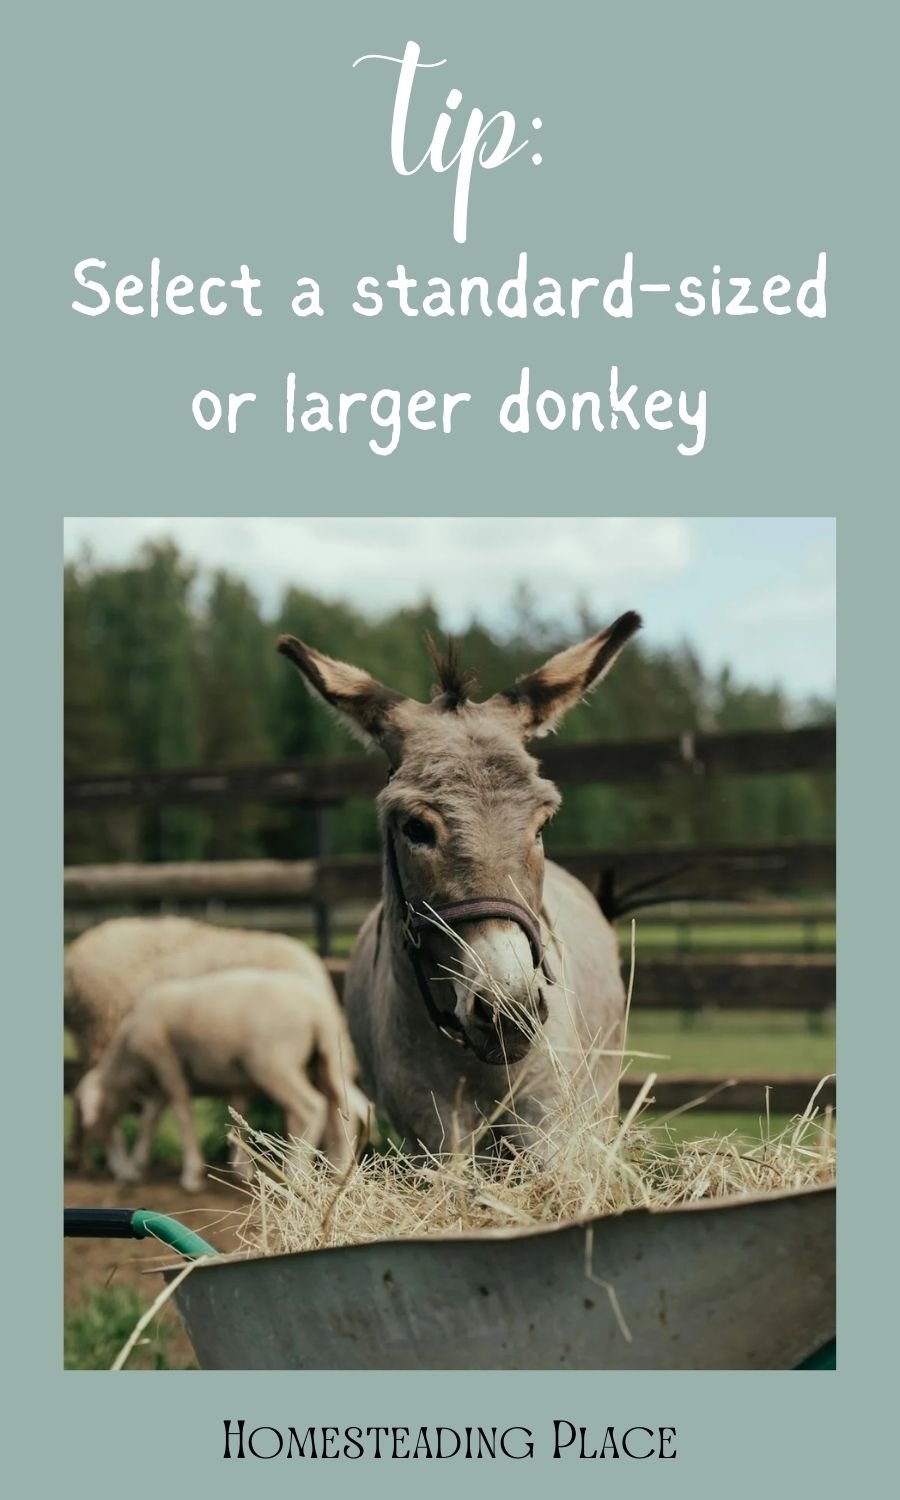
(541, 698)
(365, 705)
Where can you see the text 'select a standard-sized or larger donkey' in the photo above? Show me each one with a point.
(461, 817)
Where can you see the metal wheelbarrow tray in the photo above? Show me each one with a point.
(746, 1283)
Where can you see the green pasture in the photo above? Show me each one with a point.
(98, 1326)
(731, 1042)
(734, 937)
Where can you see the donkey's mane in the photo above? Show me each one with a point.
(454, 683)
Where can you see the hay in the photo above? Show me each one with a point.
(586, 1165)
(297, 1202)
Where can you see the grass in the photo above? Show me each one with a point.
(97, 1328)
(700, 1125)
(734, 1041)
(734, 937)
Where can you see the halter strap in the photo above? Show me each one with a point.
(479, 909)
(455, 913)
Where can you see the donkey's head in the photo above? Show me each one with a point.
(462, 816)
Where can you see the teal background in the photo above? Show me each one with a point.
(210, 133)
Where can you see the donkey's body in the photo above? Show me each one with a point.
(430, 1089)
(456, 998)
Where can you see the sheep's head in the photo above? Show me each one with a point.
(107, 1090)
(91, 1100)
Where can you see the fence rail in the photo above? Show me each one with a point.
(766, 981)
(809, 918)
(321, 781)
(745, 871)
(757, 981)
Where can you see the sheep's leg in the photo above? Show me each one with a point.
(238, 1159)
(306, 1115)
(172, 1081)
(118, 1159)
(348, 1126)
(306, 1110)
(339, 1139)
(151, 1110)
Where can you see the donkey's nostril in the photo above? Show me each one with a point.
(484, 1009)
(487, 1011)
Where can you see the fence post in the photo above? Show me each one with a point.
(322, 912)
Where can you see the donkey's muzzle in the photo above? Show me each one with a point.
(486, 1012)
(501, 1019)
(515, 1023)
(502, 1034)
(492, 1037)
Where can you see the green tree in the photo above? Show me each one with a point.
(92, 731)
(143, 621)
(234, 692)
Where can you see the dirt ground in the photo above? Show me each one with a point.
(92, 1266)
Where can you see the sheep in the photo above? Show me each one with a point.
(239, 1030)
(108, 967)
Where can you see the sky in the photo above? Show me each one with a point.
(754, 593)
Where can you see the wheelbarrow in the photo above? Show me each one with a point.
(736, 1284)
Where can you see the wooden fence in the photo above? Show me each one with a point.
(749, 876)
(674, 872)
(317, 782)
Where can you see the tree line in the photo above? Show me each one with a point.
(164, 668)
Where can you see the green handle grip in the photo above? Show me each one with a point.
(135, 1223)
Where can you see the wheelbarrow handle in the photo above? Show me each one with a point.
(99, 1223)
(137, 1224)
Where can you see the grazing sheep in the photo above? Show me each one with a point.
(108, 967)
(239, 1031)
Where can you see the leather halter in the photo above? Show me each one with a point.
(453, 914)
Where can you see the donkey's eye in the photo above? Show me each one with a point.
(418, 832)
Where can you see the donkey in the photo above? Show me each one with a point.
(479, 948)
